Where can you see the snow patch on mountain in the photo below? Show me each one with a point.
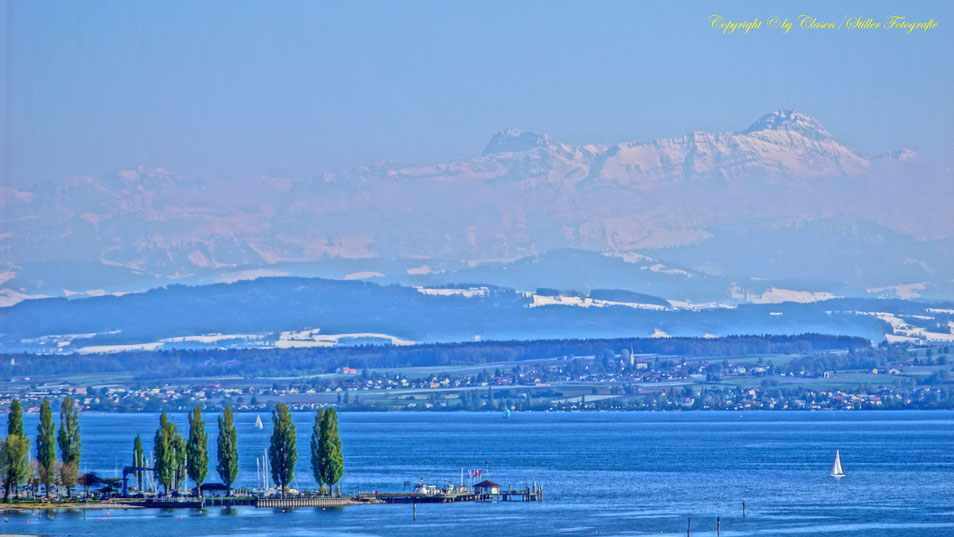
(469, 292)
(663, 269)
(9, 297)
(513, 140)
(790, 121)
(585, 302)
(902, 331)
(364, 275)
(777, 296)
(629, 257)
(208, 339)
(904, 290)
(111, 349)
(423, 270)
(313, 338)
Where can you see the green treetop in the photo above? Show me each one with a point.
(332, 462)
(316, 464)
(70, 447)
(139, 461)
(227, 450)
(14, 468)
(46, 446)
(283, 453)
(69, 435)
(15, 418)
(198, 455)
(180, 457)
(164, 450)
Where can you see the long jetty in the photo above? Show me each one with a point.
(528, 494)
(264, 503)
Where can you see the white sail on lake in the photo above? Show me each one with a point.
(836, 470)
(258, 422)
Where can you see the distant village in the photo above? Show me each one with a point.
(914, 378)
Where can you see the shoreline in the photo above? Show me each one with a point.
(48, 506)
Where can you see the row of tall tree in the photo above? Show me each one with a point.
(15, 469)
(177, 459)
(327, 462)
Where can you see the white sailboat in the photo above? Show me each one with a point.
(836, 470)
(506, 413)
(258, 422)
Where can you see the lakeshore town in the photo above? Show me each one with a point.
(906, 378)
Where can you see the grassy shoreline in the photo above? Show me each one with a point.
(34, 506)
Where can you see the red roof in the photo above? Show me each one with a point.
(486, 484)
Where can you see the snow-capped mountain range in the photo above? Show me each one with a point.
(526, 195)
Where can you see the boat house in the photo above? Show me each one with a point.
(423, 488)
(487, 487)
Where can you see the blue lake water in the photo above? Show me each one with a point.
(635, 473)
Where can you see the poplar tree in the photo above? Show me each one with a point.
(316, 462)
(282, 453)
(227, 450)
(332, 462)
(14, 468)
(70, 447)
(164, 450)
(46, 446)
(15, 418)
(139, 461)
(198, 449)
(180, 457)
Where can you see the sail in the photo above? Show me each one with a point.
(836, 468)
(258, 422)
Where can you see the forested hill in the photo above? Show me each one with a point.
(259, 313)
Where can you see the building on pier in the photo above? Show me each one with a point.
(487, 487)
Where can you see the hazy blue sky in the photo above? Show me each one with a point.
(239, 89)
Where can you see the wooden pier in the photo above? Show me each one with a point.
(526, 495)
(155, 503)
(289, 503)
(264, 503)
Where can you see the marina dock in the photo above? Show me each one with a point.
(262, 503)
(528, 494)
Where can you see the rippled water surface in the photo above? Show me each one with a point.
(602, 473)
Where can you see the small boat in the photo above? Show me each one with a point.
(258, 422)
(506, 413)
(836, 470)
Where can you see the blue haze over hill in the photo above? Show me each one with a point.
(275, 309)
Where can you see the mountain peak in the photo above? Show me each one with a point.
(790, 120)
(512, 140)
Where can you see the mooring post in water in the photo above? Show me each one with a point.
(743, 509)
(718, 526)
(414, 511)
(688, 527)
